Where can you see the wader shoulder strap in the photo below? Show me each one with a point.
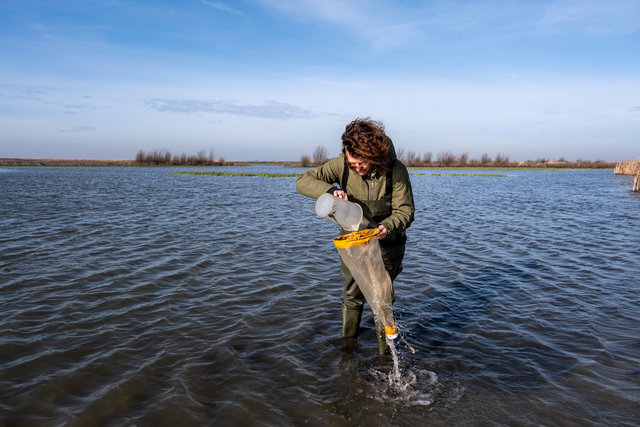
(345, 177)
(388, 197)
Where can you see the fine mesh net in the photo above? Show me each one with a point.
(361, 254)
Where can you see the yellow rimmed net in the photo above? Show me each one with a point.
(360, 252)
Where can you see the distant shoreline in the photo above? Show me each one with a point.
(551, 165)
(115, 162)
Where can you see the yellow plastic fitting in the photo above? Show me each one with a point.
(391, 331)
(356, 238)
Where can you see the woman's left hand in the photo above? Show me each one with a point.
(383, 231)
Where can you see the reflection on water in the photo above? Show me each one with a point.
(135, 296)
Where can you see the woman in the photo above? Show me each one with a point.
(368, 173)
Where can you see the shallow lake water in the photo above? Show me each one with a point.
(135, 296)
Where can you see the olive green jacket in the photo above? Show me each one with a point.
(368, 191)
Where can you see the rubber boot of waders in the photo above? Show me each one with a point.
(383, 347)
(350, 321)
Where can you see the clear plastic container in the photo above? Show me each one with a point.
(346, 214)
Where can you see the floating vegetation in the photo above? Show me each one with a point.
(269, 175)
(477, 174)
(436, 174)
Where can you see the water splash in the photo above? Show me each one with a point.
(419, 387)
(396, 364)
(407, 387)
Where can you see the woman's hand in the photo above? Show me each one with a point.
(341, 194)
(383, 231)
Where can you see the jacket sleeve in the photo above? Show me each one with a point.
(402, 207)
(319, 180)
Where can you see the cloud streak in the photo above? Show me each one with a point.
(402, 25)
(377, 23)
(221, 6)
(28, 92)
(268, 109)
(79, 129)
(595, 18)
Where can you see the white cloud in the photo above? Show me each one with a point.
(268, 109)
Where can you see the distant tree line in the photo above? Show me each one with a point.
(447, 159)
(162, 157)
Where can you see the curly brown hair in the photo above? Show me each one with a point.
(365, 138)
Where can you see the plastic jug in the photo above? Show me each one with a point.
(346, 214)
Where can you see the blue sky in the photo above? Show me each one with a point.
(273, 79)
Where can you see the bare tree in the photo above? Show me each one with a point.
(485, 159)
(446, 158)
(463, 159)
(426, 158)
(202, 157)
(305, 161)
(319, 155)
(501, 160)
(410, 160)
(140, 156)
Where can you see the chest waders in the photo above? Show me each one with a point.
(392, 249)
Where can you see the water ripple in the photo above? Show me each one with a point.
(134, 296)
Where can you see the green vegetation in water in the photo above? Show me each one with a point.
(436, 174)
(269, 175)
(477, 174)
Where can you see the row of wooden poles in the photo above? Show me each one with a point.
(636, 184)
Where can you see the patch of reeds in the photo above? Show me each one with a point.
(629, 167)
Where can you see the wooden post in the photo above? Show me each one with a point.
(636, 184)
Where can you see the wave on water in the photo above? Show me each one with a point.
(138, 296)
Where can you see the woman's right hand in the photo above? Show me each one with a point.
(341, 194)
